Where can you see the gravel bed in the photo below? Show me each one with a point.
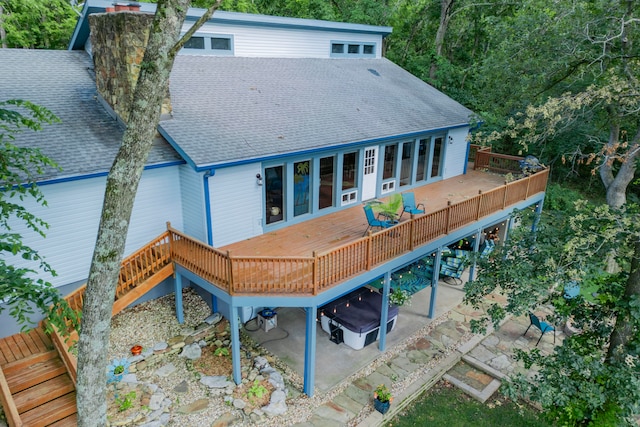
(155, 321)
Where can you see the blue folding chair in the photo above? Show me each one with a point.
(409, 205)
(544, 327)
(373, 221)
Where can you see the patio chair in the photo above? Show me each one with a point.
(373, 221)
(409, 205)
(544, 327)
(452, 266)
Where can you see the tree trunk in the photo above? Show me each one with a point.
(3, 33)
(121, 187)
(623, 330)
(446, 9)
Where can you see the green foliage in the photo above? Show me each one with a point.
(445, 405)
(19, 167)
(391, 207)
(38, 24)
(125, 402)
(581, 383)
(382, 393)
(257, 390)
(221, 352)
(400, 297)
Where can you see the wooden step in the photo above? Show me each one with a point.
(18, 365)
(35, 374)
(51, 412)
(70, 421)
(42, 393)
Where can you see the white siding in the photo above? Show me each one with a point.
(286, 43)
(73, 215)
(193, 210)
(236, 204)
(455, 152)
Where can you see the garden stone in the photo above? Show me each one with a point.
(129, 378)
(183, 387)
(277, 381)
(165, 418)
(160, 346)
(191, 351)
(218, 381)
(193, 407)
(239, 403)
(156, 401)
(165, 370)
(136, 359)
(202, 343)
(213, 319)
(277, 405)
(260, 362)
(500, 363)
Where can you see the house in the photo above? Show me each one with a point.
(270, 123)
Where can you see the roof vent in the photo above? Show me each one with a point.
(374, 72)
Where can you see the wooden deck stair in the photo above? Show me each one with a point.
(36, 389)
(37, 373)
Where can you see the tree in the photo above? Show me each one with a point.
(36, 24)
(19, 168)
(591, 379)
(121, 186)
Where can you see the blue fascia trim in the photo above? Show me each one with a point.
(188, 160)
(207, 204)
(101, 174)
(256, 20)
(466, 164)
(331, 148)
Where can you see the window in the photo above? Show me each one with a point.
(423, 151)
(327, 182)
(301, 185)
(407, 163)
(389, 169)
(208, 44)
(351, 49)
(274, 191)
(349, 170)
(220, 43)
(194, 43)
(438, 151)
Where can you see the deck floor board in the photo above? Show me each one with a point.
(348, 225)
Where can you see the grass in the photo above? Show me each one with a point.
(445, 405)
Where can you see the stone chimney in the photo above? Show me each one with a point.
(118, 41)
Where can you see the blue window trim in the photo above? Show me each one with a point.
(208, 50)
(346, 54)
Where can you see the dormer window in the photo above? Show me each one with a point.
(208, 44)
(341, 49)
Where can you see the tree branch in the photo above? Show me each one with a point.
(195, 27)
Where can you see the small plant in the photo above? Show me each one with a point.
(257, 390)
(399, 297)
(383, 394)
(221, 351)
(126, 401)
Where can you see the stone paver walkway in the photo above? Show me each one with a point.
(475, 362)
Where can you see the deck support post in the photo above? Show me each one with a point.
(534, 226)
(384, 312)
(476, 248)
(234, 324)
(178, 296)
(434, 283)
(310, 350)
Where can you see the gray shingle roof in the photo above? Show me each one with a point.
(87, 139)
(227, 109)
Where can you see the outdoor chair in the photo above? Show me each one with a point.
(374, 221)
(409, 205)
(544, 327)
(452, 266)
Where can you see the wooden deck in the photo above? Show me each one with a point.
(348, 225)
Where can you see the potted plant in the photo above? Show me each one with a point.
(399, 297)
(382, 398)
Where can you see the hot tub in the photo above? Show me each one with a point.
(355, 318)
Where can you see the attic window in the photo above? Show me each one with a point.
(344, 49)
(209, 44)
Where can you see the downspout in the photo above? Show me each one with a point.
(207, 213)
(207, 204)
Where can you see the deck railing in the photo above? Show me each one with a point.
(483, 158)
(312, 275)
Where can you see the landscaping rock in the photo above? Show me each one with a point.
(192, 351)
